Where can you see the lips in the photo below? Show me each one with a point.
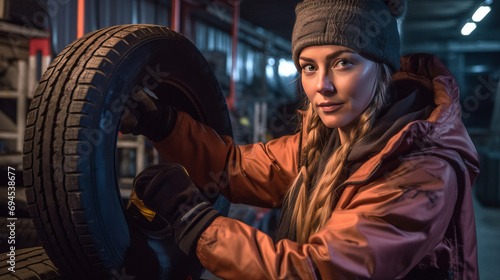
(330, 106)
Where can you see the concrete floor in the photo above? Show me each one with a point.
(488, 241)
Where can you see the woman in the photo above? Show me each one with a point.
(377, 184)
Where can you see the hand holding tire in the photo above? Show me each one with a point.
(143, 115)
(168, 190)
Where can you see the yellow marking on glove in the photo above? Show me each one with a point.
(146, 212)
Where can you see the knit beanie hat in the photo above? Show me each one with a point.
(369, 27)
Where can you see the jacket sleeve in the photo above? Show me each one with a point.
(254, 174)
(378, 230)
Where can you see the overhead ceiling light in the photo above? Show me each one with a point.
(480, 13)
(468, 28)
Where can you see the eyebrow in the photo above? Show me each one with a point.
(328, 57)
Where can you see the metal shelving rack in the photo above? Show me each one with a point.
(21, 96)
(26, 73)
(139, 144)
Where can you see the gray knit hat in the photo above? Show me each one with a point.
(367, 26)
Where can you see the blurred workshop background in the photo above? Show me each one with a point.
(247, 43)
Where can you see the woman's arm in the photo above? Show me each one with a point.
(255, 174)
(380, 230)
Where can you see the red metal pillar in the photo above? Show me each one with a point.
(175, 18)
(37, 68)
(231, 100)
(80, 21)
(186, 29)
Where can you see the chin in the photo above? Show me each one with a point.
(330, 123)
(334, 122)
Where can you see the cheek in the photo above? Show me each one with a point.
(307, 89)
(363, 95)
(362, 90)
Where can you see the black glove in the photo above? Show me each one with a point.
(143, 114)
(168, 190)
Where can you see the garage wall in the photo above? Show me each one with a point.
(100, 14)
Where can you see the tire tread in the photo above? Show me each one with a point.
(59, 133)
(31, 263)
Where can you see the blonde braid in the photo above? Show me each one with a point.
(312, 152)
(312, 211)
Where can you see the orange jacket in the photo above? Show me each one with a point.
(406, 209)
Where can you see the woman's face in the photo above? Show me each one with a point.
(338, 82)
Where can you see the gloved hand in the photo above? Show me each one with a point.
(143, 114)
(168, 190)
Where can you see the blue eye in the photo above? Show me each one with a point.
(308, 68)
(343, 63)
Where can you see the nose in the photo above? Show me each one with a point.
(324, 85)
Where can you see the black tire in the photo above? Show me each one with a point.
(70, 144)
(30, 263)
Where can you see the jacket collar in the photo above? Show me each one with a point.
(424, 77)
